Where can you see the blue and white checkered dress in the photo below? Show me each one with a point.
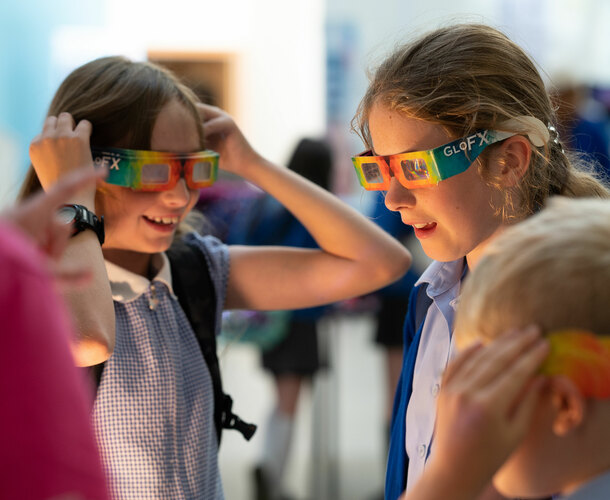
(154, 412)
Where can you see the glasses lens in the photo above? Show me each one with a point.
(202, 171)
(372, 173)
(155, 173)
(415, 170)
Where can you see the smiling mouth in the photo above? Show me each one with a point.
(427, 225)
(163, 221)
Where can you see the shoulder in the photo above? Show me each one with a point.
(216, 255)
(215, 251)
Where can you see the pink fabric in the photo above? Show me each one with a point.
(47, 446)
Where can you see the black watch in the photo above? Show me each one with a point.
(82, 218)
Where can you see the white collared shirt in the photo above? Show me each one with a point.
(126, 286)
(435, 350)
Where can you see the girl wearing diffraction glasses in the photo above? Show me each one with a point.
(154, 411)
(460, 133)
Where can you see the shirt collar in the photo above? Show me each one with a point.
(441, 276)
(126, 286)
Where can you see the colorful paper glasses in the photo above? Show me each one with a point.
(156, 171)
(583, 357)
(423, 168)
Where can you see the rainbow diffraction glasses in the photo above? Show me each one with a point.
(156, 171)
(423, 168)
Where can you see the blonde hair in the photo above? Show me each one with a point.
(122, 99)
(469, 77)
(552, 270)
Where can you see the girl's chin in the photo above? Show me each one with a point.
(444, 251)
(148, 248)
(442, 255)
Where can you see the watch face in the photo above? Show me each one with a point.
(66, 214)
(81, 219)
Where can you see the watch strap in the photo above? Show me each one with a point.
(86, 219)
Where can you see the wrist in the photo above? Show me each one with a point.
(81, 219)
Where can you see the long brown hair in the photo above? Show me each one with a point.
(122, 99)
(468, 77)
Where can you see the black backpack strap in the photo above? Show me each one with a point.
(194, 288)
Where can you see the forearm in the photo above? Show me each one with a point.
(337, 228)
(59, 153)
(91, 306)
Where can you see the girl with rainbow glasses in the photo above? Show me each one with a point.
(154, 407)
(460, 132)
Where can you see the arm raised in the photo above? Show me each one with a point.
(355, 255)
(60, 149)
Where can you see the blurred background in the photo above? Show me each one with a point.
(289, 69)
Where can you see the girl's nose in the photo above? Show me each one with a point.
(398, 196)
(179, 195)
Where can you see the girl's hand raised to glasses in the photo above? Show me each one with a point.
(484, 410)
(224, 136)
(60, 148)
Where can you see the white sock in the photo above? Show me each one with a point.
(276, 447)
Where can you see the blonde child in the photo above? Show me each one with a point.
(154, 407)
(537, 435)
(460, 133)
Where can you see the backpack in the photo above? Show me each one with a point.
(191, 277)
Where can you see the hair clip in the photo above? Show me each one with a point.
(555, 135)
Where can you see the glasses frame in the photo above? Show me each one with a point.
(442, 162)
(125, 167)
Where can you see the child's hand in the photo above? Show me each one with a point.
(485, 407)
(36, 218)
(223, 136)
(60, 148)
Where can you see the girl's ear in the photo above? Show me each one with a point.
(569, 403)
(513, 157)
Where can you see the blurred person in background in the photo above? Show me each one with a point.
(582, 121)
(289, 346)
(48, 447)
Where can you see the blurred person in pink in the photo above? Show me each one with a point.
(48, 449)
